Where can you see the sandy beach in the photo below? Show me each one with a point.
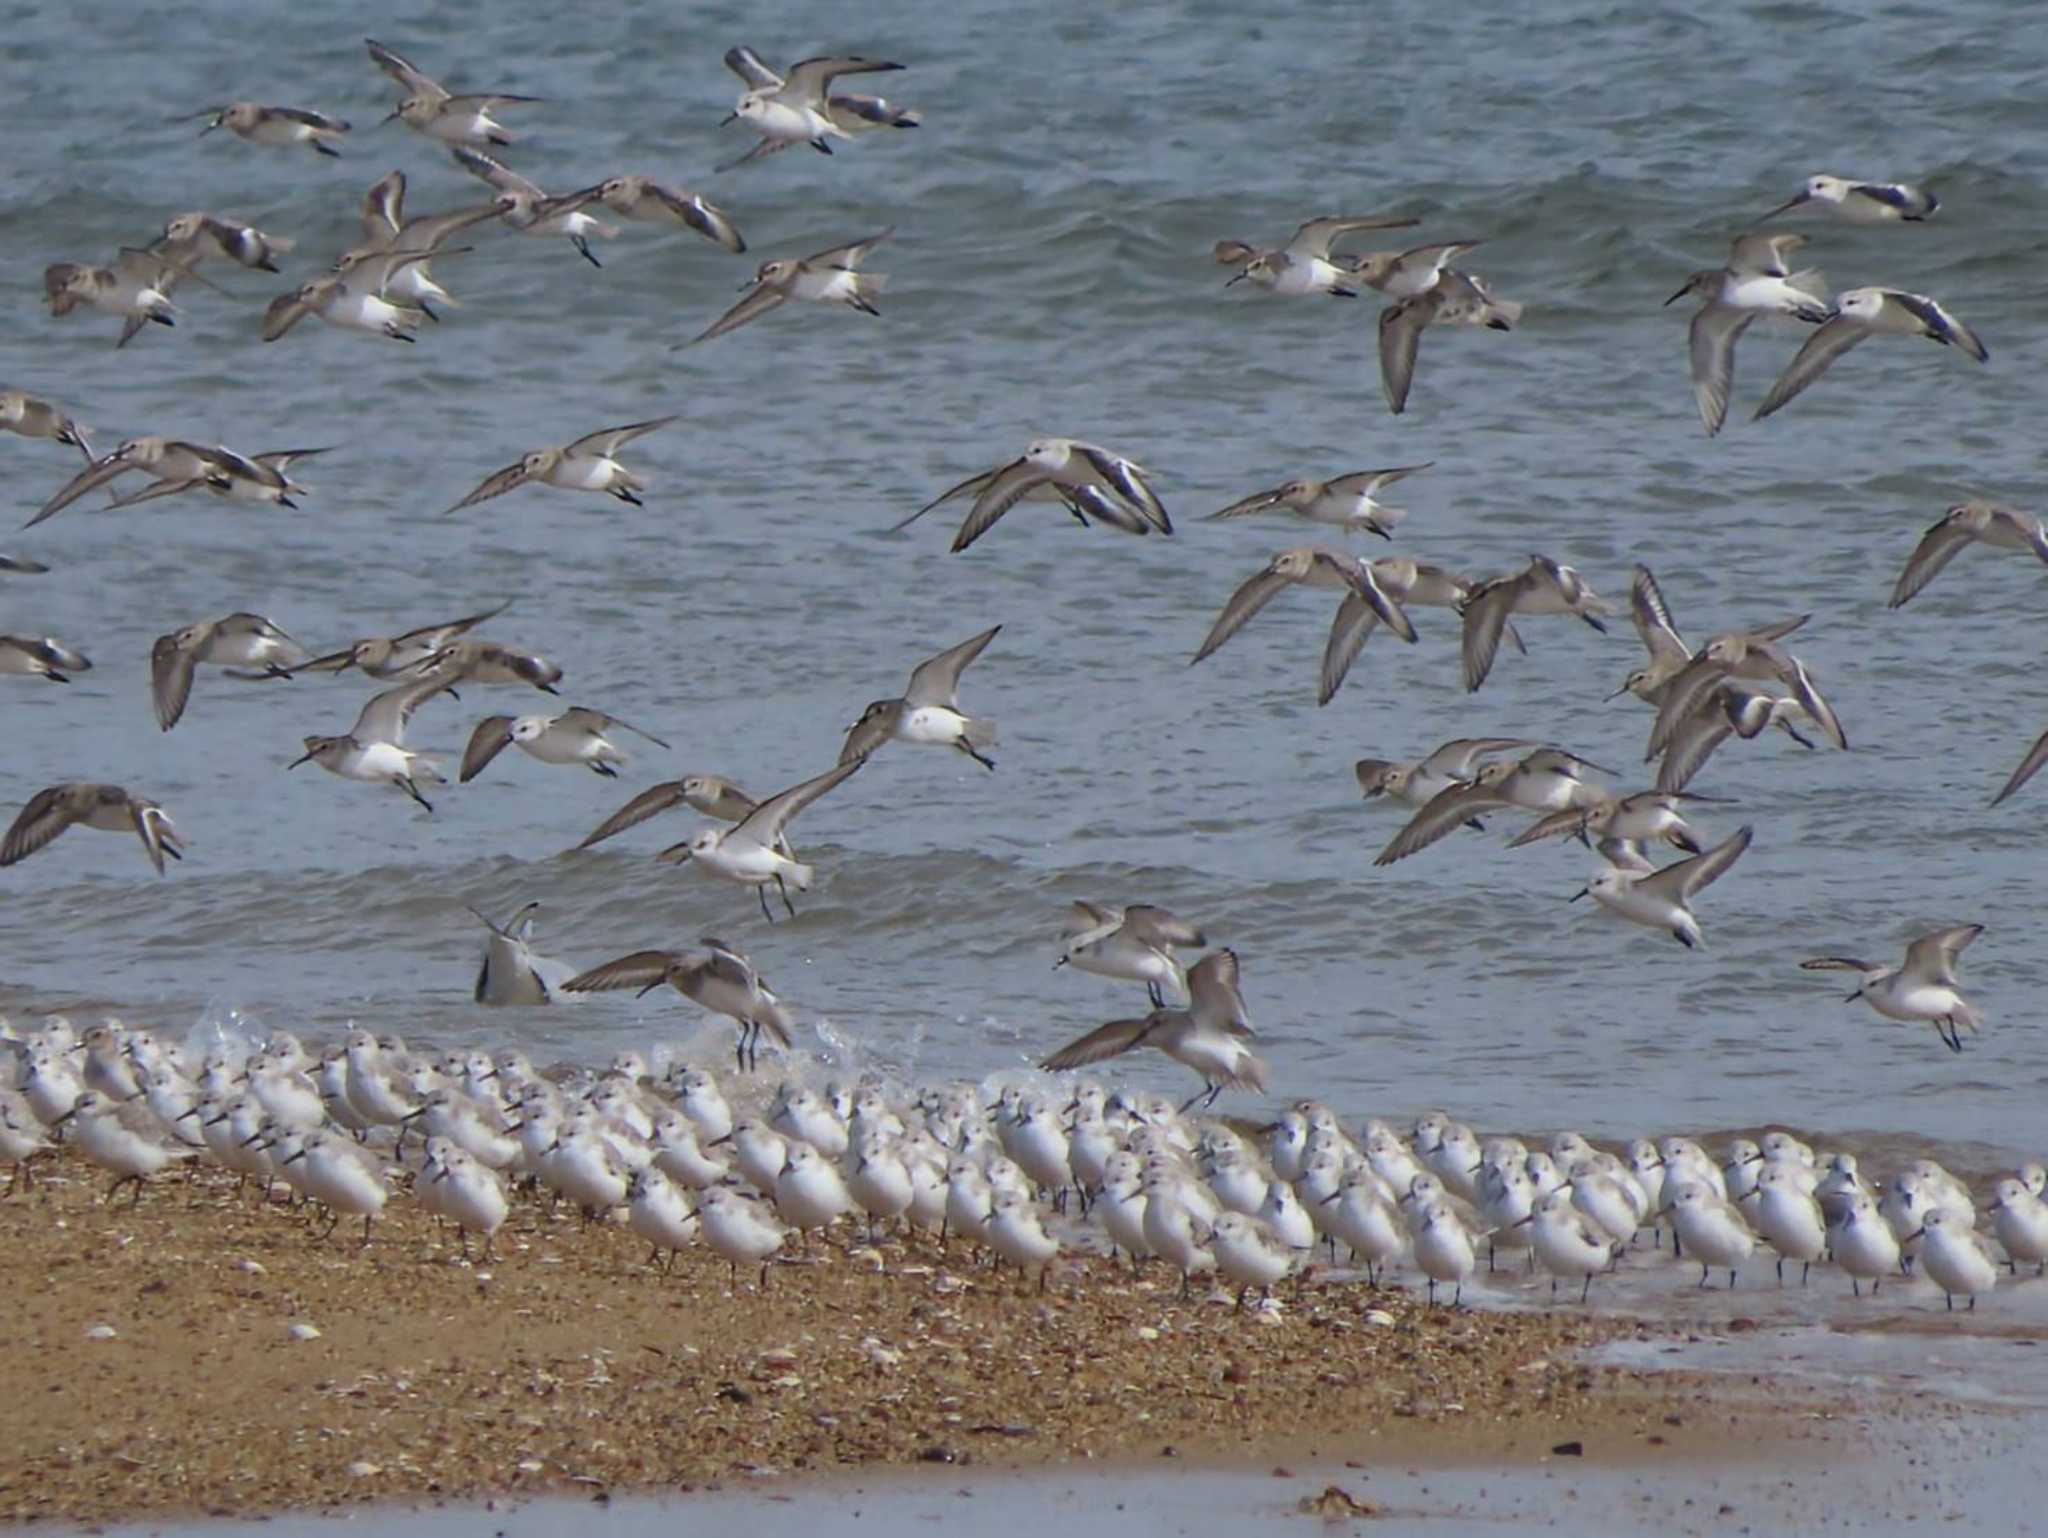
(202, 1355)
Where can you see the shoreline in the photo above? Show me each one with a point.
(568, 1364)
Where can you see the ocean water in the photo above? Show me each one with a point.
(1050, 273)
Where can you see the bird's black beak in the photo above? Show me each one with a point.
(1584, 891)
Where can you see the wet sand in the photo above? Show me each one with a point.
(570, 1364)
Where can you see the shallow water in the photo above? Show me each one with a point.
(1050, 273)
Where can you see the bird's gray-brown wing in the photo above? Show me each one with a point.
(1349, 631)
(1213, 994)
(153, 828)
(765, 823)
(403, 70)
(1679, 881)
(849, 256)
(1795, 674)
(1937, 547)
(283, 313)
(1485, 617)
(649, 803)
(1767, 255)
(1315, 237)
(496, 484)
(756, 302)
(155, 489)
(428, 231)
(1128, 481)
(1457, 757)
(1447, 810)
(170, 675)
(389, 712)
(93, 475)
(1683, 695)
(1653, 622)
(1836, 964)
(494, 172)
(440, 635)
(1370, 483)
(1003, 490)
(1571, 819)
(598, 721)
(1713, 335)
(1105, 1041)
(1693, 742)
(808, 78)
(48, 813)
(2037, 755)
(492, 736)
(1935, 953)
(1252, 595)
(937, 681)
(1834, 338)
(1156, 926)
(607, 441)
(706, 218)
(750, 67)
(1941, 325)
(1092, 919)
(974, 483)
(641, 970)
(1257, 502)
(1401, 328)
(384, 209)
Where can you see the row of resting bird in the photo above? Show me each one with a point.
(661, 1146)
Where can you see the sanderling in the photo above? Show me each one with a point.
(488, 662)
(374, 748)
(1309, 566)
(1457, 298)
(41, 657)
(1955, 1257)
(657, 1212)
(189, 239)
(1418, 782)
(237, 477)
(1543, 587)
(1789, 1219)
(106, 807)
(1756, 281)
(1248, 1255)
(1741, 654)
(739, 1229)
(1668, 650)
(1866, 312)
(1547, 780)
(273, 125)
(722, 980)
(1443, 1248)
(353, 299)
(137, 288)
(1135, 944)
(121, 1137)
(33, 417)
(1640, 818)
(706, 793)
(750, 852)
(1710, 1229)
(644, 198)
(429, 108)
(510, 972)
(1209, 1036)
(1305, 264)
(388, 657)
(1091, 481)
(1565, 1242)
(386, 229)
(1662, 899)
(1404, 274)
(575, 736)
(588, 464)
(1923, 987)
(233, 641)
(531, 211)
(1343, 500)
(2003, 528)
(1862, 202)
(796, 109)
(831, 276)
(928, 710)
(2021, 1222)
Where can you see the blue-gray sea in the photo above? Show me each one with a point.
(1050, 273)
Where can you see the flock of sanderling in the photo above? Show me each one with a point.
(1197, 1195)
(685, 1166)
